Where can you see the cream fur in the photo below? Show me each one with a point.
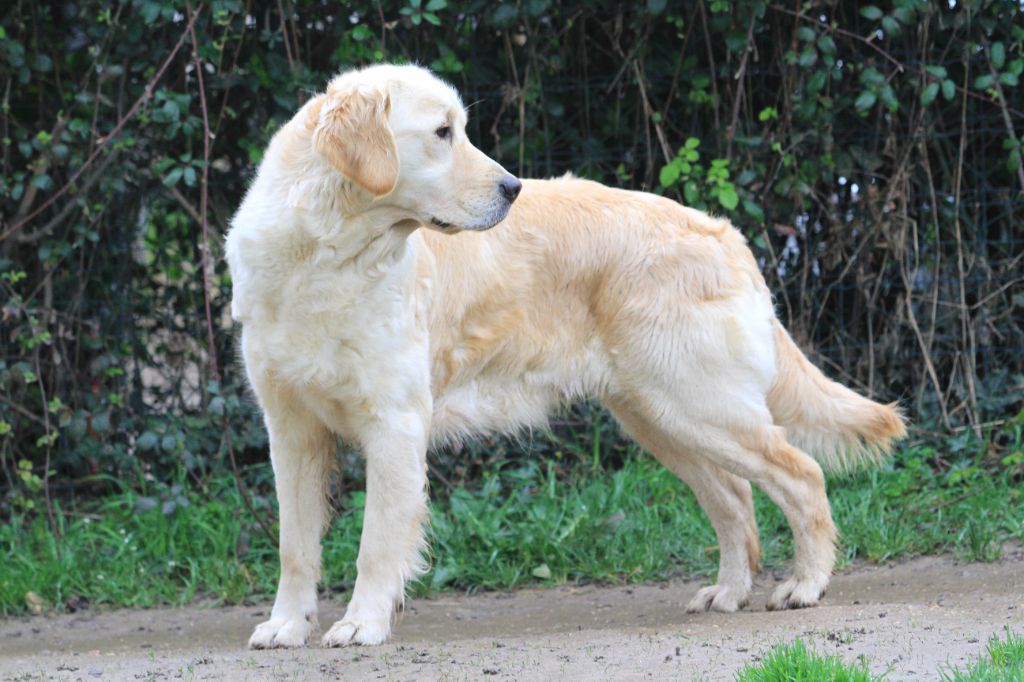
(357, 323)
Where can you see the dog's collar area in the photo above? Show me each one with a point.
(439, 223)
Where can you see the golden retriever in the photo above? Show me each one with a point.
(357, 323)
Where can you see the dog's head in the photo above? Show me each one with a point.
(399, 134)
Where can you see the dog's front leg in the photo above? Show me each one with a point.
(392, 543)
(302, 452)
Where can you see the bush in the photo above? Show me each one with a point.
(869, 154)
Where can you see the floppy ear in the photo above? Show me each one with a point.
(354, 136)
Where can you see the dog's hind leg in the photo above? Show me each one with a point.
(392, 543)
(726, 499)
(742, 440)
(302, 451)
(795, 483)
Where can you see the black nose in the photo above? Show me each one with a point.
(510, 187)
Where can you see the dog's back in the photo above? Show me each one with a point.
(584, 287)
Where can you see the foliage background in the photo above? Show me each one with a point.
(872, 155)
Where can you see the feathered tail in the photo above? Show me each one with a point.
(837, 427)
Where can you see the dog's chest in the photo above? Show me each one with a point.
(340, 330)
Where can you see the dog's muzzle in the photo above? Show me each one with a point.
(510, 187)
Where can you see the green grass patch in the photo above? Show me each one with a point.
(523, 521)
(1003, 661)
(115, 553)
(796, 662)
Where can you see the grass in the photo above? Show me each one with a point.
(1003, 662)
(796, 662)
(523, 521)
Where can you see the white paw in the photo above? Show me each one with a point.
(798, 593)
(721, 598)
(282, 633)
(348, 632)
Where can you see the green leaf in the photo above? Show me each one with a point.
(937, 71)
(817, 81)
(1008, 79)
(692, 192)
(147, 441)
(998, 55)
(948, 89)
(866, 100)
(101, 422)
(543, 572)
(888, 96)
(753, 210)
(808, 57)
(150, 12)
(929, 94)
(504, 15)
(871, 13)
(805, 33)
(827, 45)
(735, 41)
(692, 143)
(668, 175)
(435, 5)
(872, 76)
(656, 6)
(904, 15)
(890, 26)
(42, 63)
(216, 407)
(727, 197)
(172, 178)
(984, 82)
(1013, 160)
(190, 176)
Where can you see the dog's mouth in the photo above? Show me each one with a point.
(487, 223)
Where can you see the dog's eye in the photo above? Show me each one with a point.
(444, 132)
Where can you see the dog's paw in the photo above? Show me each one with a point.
(282, 633)
(798, 593)
(721, 598)
(348, 632)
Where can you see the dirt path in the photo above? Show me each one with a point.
(909, 619)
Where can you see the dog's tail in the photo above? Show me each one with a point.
(833, 424)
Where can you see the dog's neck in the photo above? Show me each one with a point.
(375, 238)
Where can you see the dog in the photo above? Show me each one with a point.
(378, 305)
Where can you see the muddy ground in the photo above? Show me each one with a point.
(909, 619)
